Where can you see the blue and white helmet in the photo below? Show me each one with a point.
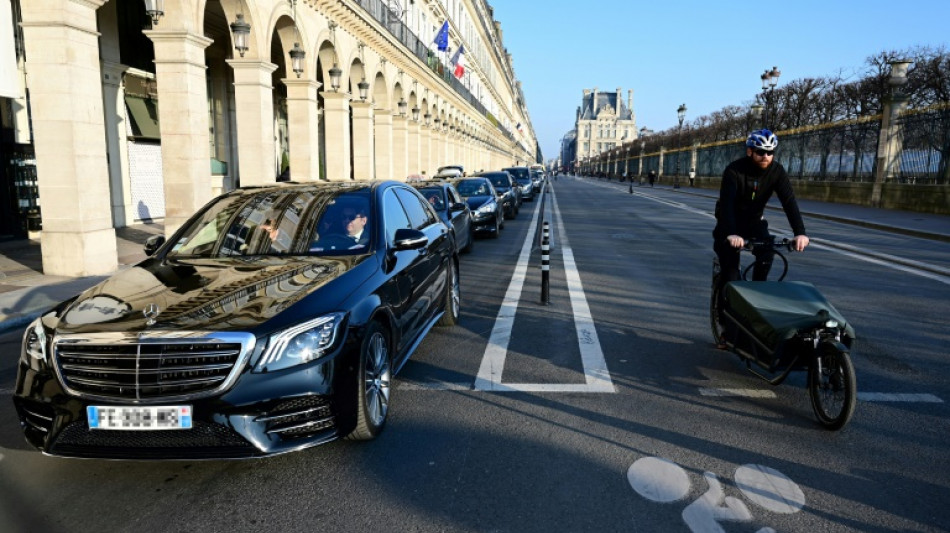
(762, 139)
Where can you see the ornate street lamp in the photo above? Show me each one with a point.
(364, 89)
(403, 105)
(297, 56)
(680, 115)
(335, 74)
(415, 114)
(769, 81)
(241, 30)
(428, 118)
(155, 9)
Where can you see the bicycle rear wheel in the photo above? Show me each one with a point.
(833, 387)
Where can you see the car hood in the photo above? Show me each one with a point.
(474, 202)
(203, 294)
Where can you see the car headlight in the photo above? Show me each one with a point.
(487, 208)
(301, 344)
(33, 353)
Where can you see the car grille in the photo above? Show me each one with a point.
(204, 440)
(122, 367)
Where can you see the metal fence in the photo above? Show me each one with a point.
(842, 151)
(925, 157)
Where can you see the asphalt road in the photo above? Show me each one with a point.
(608, 409)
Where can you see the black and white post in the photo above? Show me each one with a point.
(545, 264)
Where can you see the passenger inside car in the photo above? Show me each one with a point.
(344, 226)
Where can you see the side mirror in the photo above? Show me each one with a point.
(458, 206)
(153, 243)
(409, 239)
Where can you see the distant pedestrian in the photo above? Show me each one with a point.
(692, 177)
(651, 177)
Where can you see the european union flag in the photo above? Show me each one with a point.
(442, 38)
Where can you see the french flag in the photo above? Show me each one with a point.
(459, 61)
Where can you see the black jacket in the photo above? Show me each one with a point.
(743, 194)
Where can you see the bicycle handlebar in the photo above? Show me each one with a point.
(751, 245)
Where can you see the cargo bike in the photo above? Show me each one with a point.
(780, 327)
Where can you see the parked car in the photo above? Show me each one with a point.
(459, 168)
(522, 175)
(527, 188)
(445, 173)
(487, 213)
(509, 193)
(273, 320)
(453, 211)
(537, 178)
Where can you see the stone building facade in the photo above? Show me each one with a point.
(603, 121)
(120, 138)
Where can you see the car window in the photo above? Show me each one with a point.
(452, 194)
(420, 215)
(499, 180)
(473, 188)
(395, 216)
(278, 222)
(435, 197)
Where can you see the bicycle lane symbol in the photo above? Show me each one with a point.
(663, 481)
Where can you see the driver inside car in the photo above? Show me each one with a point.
(343, 228)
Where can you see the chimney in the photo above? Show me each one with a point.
(630, 101)
(619, 102)
(593, 102)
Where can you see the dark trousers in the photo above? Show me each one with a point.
(729, 257)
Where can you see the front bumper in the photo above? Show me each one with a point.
(260, 415)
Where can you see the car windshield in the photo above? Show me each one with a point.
(499, 180)
(435, 196)
(517, 172)
(468, 188)
(295, 221)
(524, 180)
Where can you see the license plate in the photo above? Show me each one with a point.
(139, 417)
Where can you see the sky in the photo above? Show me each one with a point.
(707, 54)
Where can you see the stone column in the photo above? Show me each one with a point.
(889, 145)
(69, 136)
(659, 172)
(363, 150)
(113, 99)
(400, 147)
(384, 144)
(425, 147)
(414, 150)
(254, 108)
(336, 116)
(303, 129)
(183, 119)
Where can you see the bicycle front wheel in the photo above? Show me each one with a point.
(714, 317)
(832, 386)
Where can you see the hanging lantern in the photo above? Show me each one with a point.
(415, 114)
(364, 89)
(241, 30)
(297, 56)
(402, 107)
(155, 9)
(335, 74)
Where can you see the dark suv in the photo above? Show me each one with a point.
(273, 320)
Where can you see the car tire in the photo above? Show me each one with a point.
(373, 384)
(453, 297)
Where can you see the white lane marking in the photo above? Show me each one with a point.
(658, 479)
(595, 365)
(816, 243)
(770, 489)
(493, 361)
(745, 393)
(897, 397)
(596, 375)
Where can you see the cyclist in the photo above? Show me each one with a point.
(747, 185)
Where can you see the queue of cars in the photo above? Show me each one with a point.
(273, 320)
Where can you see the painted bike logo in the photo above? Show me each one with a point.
(663, 481)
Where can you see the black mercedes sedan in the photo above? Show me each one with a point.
(273, 320)
(487, 214)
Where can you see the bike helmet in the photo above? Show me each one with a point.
(762, 139)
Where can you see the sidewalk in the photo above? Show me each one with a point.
(25, 292)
